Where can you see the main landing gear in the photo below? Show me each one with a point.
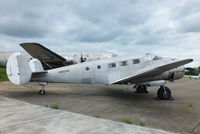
(164, 93)
(141, 89)
(42, 91)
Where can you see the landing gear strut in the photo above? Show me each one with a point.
(141, 89)
(164, 93)
(42, 91)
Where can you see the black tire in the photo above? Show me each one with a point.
(164, 93)
(141, 89)
(42, 92)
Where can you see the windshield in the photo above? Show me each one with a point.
(152, 57)
(157, 57)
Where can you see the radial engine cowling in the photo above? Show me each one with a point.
(178, 72)
(173, 74)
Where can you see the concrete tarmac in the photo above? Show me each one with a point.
(18, 117)
(118, 102)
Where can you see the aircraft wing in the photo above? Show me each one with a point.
(153, 72)
(48, 58)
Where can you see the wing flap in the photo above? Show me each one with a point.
(153, 72)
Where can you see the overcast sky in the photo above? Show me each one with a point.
(164, 27)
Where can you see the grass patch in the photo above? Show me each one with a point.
(3, 75)
(55, 106)
(97, 116)
(130, 122)
(142, 124)
(189, 106)
(127, 121)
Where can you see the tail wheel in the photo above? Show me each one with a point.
(42, 92)
(164, 93)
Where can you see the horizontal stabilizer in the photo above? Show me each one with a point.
(48, 58)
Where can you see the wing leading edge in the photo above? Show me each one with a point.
(153, 72)
(48, 58)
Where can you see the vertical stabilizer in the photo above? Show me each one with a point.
(18, 69)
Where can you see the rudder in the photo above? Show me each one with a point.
(18, 69)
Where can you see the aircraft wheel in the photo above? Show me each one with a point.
(42, 92)
(164, 93)
(141, 89)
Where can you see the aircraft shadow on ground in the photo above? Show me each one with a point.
(121, 94)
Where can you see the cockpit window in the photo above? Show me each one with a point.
(114, 55)
(157, 58)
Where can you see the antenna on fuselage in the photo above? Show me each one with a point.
(81, 59)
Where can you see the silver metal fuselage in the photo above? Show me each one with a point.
(99, 72)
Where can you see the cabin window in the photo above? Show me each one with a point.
(123, 63)
(98, 67)
(87, 68)
(136, 61)
(111, 65)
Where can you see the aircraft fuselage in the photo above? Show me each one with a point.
(110, 70)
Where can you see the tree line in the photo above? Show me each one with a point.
(193, 71)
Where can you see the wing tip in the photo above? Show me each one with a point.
(191, 60)
(29, 43)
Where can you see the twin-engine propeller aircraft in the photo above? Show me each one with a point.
(49, 67)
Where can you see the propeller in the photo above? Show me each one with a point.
(189, 69)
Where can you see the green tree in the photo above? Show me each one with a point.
(195, 71)
(198, 69)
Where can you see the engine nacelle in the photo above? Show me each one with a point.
(179, 72)
(173, 74)
(153, 83)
